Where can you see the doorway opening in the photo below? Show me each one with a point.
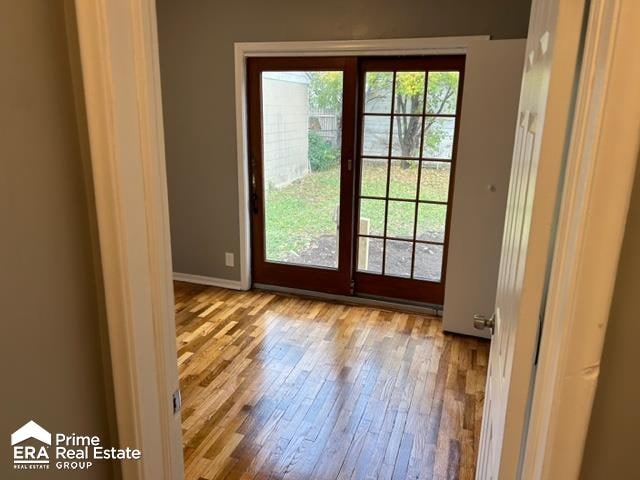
(352, 165)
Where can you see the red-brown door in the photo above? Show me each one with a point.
(302, 127)
(408, 121)
(352, 163)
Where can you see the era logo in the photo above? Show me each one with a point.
(26, 456)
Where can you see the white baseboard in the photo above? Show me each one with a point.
(214, 282)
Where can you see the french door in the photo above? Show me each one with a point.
(352, 165)
(302, 135)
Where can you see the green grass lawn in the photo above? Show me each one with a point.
(305, 209)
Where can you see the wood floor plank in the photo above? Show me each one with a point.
(284, 387)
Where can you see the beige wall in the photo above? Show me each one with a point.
(196, 63)
(613, 447)
(51, 364)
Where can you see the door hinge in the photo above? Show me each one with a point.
(177, 401)
(254, 202)
(349, 164)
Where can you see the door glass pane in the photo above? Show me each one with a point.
(375, 139)
(406, 136)
(403, 180)
(397, 261)
(442, 93)
(371, 217)
(434, 181)
(438, 137)
(373, 181)
(370, 254)
(377, 95)
(408, 121)
(400, 219)
(301, 133)
(428, 262)
(409, 92)
(431, 221)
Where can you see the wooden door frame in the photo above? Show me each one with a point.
(342, 280)
(119, 57)
(339, 48)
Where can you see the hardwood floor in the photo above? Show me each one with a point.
(276, 386)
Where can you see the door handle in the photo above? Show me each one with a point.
(254, 202)
(480, 322)
(254, 194)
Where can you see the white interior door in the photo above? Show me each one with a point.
(543, 118)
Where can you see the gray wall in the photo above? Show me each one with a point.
(612, 446)
(51, 363)
(196, 63)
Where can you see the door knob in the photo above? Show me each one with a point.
(481, 322)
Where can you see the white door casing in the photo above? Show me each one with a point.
(118, 46)
(543, 118)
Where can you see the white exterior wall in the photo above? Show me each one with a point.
(285, 127)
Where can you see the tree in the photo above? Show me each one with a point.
(325, 92)
(442, 96)
(409, 97)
